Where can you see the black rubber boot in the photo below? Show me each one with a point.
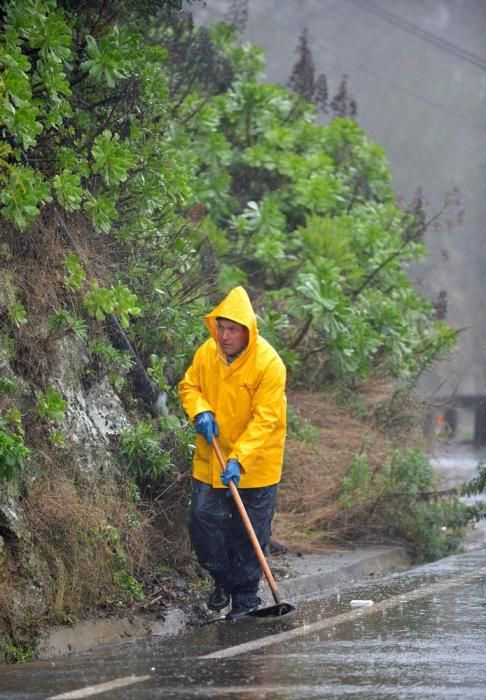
(276, 547)
(243, 605)
(219, 598)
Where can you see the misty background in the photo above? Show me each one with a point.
(417, 70)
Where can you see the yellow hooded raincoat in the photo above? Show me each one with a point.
(247, 398)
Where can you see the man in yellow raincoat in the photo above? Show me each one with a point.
(234, 389)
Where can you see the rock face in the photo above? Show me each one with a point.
(94, 414)
(94, 417)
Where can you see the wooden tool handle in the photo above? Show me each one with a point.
(248, 525)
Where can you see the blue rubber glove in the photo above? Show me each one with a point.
(233, 470)
(206, 425)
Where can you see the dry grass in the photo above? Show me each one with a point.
(84, 533)
(38, 272)
(309, 516)
(38, 260)
(81, 535)
(170, 517)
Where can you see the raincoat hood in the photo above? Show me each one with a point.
(236, 306)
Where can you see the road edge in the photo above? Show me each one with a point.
(297, 577)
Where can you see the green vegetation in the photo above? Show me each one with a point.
(126, 588)
(18, 655)
(111, 362)
(476, 487)
(6, 385)
(118, 300)
(75, 275)
(63, 321)
(13, 451)
(402, 501)
(145, 169)
(300, 428)
(141, 450)
(50, 405)
(149, 128)
(17, 314)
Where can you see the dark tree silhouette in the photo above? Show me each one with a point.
(303, 82)
(301, 79)
(440, 305)
(237, 15)
(343, 103)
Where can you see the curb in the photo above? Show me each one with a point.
(90, 634)
(312, 574)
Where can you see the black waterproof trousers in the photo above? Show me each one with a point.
(220, 540)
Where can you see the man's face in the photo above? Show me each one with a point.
(232, 336)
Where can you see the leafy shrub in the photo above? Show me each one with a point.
(75, 275)
(141, 450)
(13, 451)
(112, 362)
(118, 300)
(433, 528)
(50, 405)
(62, 321)
(6, 385)
(312, 214)
(476, 487)
(401, 502)
(18, 654)
(356, 482)
(157, 371)
(299, 427)
(130, 589)
(17, 314)
(408, 472)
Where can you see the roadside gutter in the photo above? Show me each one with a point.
(297, 576)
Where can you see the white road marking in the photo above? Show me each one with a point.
(91, 690)
(354, 614)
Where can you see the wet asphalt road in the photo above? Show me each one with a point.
(424, 637)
